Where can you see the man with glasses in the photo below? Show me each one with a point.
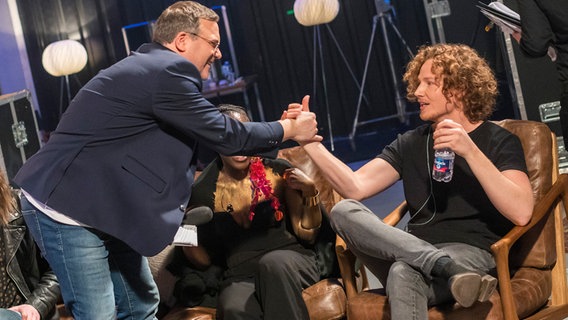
(214, 43)
(110, 185)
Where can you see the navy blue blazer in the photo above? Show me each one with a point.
(122, 158)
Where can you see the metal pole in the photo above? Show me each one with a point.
(332, 35)
(383, 13)
(398, 98)
(324, 83)
(230, 40)
(429, 22)
(315, 66)
(435, 10)
(68, 89)
(62, 84)
(358, 107)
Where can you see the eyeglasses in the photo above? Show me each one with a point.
(213, 43)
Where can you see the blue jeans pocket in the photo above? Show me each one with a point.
(30, 213)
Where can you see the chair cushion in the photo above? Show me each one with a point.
(531, 290)
(373, 305)
(325, 300)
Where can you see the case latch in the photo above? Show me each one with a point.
(20, 135)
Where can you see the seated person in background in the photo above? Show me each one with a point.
(29, 288)
(266, 217)
(445, 253)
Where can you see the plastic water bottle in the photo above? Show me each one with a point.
(443, 168)
(227, 71)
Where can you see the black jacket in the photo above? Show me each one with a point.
(544, 24)
(32, 275)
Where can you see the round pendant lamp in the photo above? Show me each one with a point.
(314, 12)
(64, 57)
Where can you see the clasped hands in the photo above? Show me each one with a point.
(305, 126)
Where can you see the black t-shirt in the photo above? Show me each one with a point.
(459, 210)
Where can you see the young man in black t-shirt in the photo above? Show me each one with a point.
(445, 253)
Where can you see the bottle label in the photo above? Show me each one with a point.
(441, 165)
(443, 168)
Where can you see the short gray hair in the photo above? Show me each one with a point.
(182, 16)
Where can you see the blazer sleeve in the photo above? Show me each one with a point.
(179, 103)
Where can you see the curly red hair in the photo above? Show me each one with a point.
(465, 74)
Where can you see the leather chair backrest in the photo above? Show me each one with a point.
(537, 247)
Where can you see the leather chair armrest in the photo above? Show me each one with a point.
(346, 260)
(396, 215)
(502, 247)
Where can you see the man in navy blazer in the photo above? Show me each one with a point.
(110, 185)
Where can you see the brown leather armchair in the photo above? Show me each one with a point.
(325, 300)
(530, 259)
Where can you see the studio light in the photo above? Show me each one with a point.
(65, 57)
(61, 59)
(314, 12)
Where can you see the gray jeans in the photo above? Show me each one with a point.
(401, 261)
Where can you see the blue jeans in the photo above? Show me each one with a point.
(100, 276)
(401, 261)
(9, 315)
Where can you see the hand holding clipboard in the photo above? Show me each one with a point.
(499, 14)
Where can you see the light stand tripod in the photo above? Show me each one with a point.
(318, 52)
(435, 10)
(64, 84)
(383, 16)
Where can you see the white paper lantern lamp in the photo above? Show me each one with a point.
(64, 57)
(314, 12)
(61, 59)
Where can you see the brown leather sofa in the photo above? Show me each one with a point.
(530, 259)
(325, 300)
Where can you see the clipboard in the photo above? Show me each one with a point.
(501, 15)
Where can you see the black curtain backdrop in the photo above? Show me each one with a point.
(270, 43)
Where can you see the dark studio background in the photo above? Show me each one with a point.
(270, 43)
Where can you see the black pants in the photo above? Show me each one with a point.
(274, 291)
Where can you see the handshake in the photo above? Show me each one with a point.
(299, 123)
